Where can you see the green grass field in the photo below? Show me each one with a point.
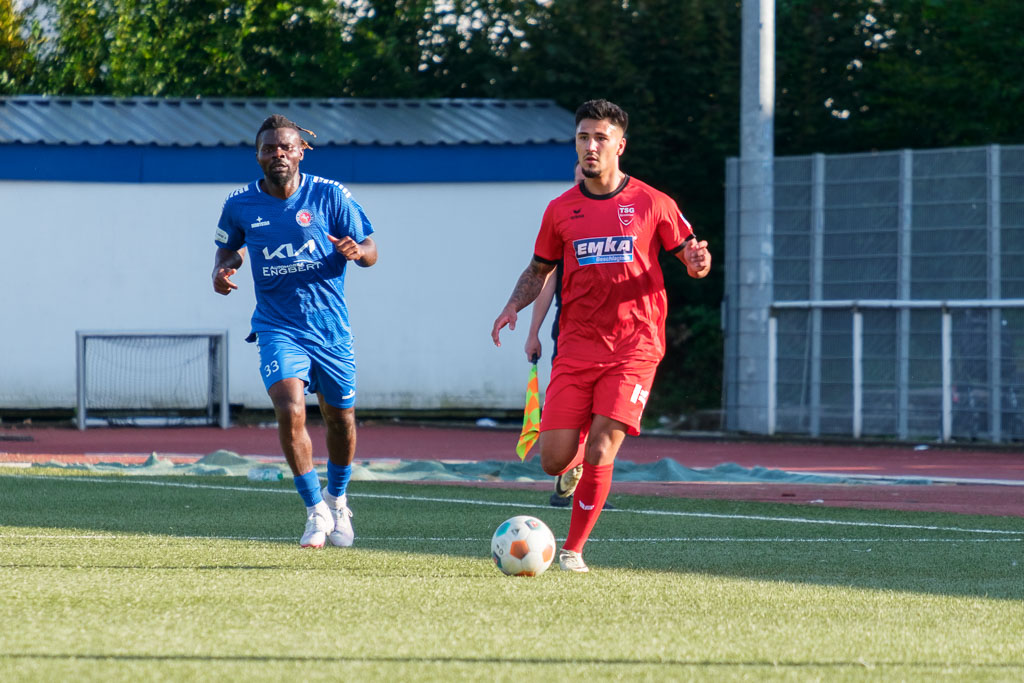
(201, 578)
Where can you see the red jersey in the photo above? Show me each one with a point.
(613, 292)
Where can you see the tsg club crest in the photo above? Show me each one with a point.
(304, 217)
(626, 213)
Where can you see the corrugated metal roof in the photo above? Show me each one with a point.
(230, 122)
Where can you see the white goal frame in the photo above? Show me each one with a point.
(218, 377)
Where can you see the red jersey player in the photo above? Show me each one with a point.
(607, 233)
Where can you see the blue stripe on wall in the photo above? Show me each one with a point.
(349, 164)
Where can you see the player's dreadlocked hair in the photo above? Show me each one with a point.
(601, 110)
(280, 121)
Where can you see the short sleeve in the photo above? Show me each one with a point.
(673, 229)
(350, 219)
(550, 244)
(229, 233)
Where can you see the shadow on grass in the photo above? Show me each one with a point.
(882, 550)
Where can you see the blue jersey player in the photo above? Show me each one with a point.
(301, 231)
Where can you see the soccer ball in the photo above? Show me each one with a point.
(523, 546)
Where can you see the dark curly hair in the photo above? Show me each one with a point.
(281, 121)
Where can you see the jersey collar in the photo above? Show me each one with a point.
(259, 185)
(590, 195)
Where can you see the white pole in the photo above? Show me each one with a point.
(773, 372)
(858, 373)
(995, 290)
(756, 188)
(80, 378)
(947, 375)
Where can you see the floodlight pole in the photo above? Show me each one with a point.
(755, 249)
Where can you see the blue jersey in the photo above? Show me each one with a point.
(298, 276)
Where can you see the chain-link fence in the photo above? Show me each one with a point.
(898, 295)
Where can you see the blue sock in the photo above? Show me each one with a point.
(308, 486)
(337, 478)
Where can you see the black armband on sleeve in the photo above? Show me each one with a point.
(544, 260)
(679, 248)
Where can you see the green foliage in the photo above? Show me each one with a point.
(17, 58)
(852, 75)
(860, 75)
(189, 48)
(952, 75)
(695, 344)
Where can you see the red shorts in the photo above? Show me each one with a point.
(580, 389)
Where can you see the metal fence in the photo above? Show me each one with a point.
(898, 296)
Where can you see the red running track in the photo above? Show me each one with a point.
(391, 440)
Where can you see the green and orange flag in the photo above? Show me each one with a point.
(531, 415)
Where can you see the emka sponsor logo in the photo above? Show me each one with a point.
(612, 249)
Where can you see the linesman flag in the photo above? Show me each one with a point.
(531, 415)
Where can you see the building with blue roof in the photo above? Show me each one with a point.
(108, 207)
(150, 140)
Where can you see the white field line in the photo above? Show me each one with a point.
(464, 501)
(911, 479)
(420, 539)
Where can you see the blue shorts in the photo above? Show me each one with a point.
(330, 371)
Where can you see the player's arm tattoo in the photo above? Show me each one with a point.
(529, 284)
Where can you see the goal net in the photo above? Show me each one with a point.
(152, 378)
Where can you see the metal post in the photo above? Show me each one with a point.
(817, 284)
(773, 372)
(947, 375)
(995, 315)
(858, 373)
(80, 378)
(757, 111)
(906, 218)
(731, 301)
(225, 407)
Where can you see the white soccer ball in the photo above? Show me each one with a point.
(523, 546)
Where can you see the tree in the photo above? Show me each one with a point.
(190, 47)
(17, 59)
(860, 75)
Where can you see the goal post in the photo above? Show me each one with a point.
(152, 378)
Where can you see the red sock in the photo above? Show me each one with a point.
(581, 450)
(587, 503)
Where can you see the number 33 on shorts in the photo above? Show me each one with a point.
(272, 367)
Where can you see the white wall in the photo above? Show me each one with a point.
(139, 256)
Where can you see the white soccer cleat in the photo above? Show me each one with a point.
(319, 523)
(571, 561)
(343, 534)
(566, 482)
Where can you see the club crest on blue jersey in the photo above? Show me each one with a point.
(595, 250)
(304, 217)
